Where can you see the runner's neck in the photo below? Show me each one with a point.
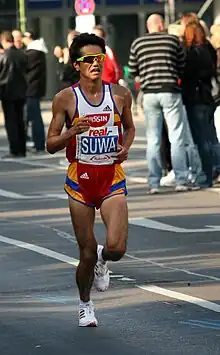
(91, 87)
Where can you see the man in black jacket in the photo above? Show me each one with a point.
(13, 64)
(36, 80)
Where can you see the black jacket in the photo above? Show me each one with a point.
(36, 70)
(197, 79)
(67, 75)
(13, 66)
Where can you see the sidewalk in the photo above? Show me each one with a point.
(46, 107)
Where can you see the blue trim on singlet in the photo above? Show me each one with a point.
(76, 109)
(89, 103)
(116, 109)
(72, 184)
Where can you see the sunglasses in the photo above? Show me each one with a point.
(90, 58)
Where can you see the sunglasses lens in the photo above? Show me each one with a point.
(90, 59)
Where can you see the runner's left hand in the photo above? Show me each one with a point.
(122, 153)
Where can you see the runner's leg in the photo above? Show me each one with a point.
(114, 214)
(83, 221)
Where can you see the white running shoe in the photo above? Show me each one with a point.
(168, 180)
(87, 315)
(101, 272)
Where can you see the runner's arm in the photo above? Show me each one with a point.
(56, 140)
(127, 121)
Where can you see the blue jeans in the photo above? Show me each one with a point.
(193, 158)
(200, 120)
(34, 116)
(168, 106)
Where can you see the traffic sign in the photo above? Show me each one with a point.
(84, 7)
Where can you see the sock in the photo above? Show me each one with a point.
(83, 304)
(99, 251)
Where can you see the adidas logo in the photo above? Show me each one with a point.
(84, 176)
(107, 108)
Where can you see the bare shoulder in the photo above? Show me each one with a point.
(120, 90)
(122, 96)
(63, 98)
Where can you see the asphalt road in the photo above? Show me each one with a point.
(164, 297)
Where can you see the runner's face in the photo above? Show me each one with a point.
(91, 67)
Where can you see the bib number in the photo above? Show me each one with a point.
(97, 146)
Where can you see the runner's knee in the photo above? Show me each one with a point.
(116, 251)
(88, 254)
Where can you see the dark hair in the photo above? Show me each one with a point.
(32, 34)
(7, 36)
(84, 39)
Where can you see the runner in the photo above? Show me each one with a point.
(95, 114)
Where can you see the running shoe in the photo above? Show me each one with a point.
(87, 315)
(101, 272)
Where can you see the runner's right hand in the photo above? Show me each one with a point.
(80, 125)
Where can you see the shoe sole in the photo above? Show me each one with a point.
(90, 325)
(101, 290)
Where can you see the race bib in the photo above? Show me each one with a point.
(98, 146)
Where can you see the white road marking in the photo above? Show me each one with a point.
(40, 250)
(140, 138)
(134, 163)
(35, 164)
(167, 267)
(62, 234)
(140, 180)
(71, 238)
(61, 166)
(36, 157)
(143, 222)
(152, 224)
(10, 194)
(32, 172)
(127, 279)
(139, 146)
(16, 196)
(182, 297)
(74, 262)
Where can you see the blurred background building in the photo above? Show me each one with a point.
(124, 19)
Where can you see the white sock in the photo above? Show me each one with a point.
(83, 304)
(99, 252)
